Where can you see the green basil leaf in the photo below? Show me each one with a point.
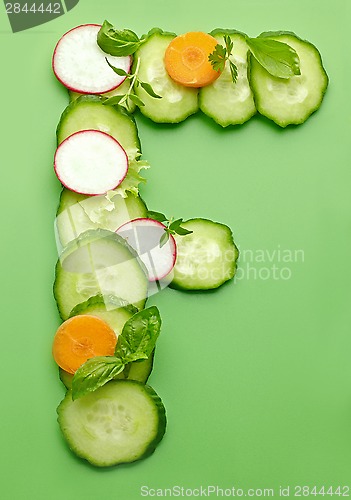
(117, 42)
(164, 238)
(182, 231)
(278, 58)
(156, 216)
(136, 100)
(119, 71)
(139, 335)
(147, 87)
(94, 373)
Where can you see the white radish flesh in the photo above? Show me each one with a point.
(79, 63)
(144, 236)
(90, 162)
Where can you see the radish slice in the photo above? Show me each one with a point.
(79, 63)
(90, 162)
(144, 236)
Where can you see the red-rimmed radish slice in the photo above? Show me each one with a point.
(79, 63)
(144, 236)
(90, 162)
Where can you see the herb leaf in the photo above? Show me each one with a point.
(278, 58)
(222, 54)
(112, 101)
(117, 42)
(164, 238)
(119, 71)
(147, 87)
(182, 231)
(175, 224)
(218, 57)
(136, 100)
(233, 71)
(135, 82)
(94, 373)
(139, 335)
(156, 216)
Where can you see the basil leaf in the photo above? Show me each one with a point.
(164, 238)
(136, 100)
(94, 373)
(182, 231)
(147, 87)
(117, 42)
(278, 58)
(156, 216)
(119, 71)
(139, 335)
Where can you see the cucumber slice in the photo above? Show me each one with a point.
(290, 101)
(78, 213)
(138, 370)
(206, 258)
(111, 309)
(88, 113)
(178, 102)
(226, 102)
(98, 262)
(121, 422)
(120, 90)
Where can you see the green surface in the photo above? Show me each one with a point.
(255, 377)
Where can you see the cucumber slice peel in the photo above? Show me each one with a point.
(206, 258)
(121, 422)
(178, 102)
(290, 101)
(98, 261)
(226, 102)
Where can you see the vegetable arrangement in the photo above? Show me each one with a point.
(113, 252)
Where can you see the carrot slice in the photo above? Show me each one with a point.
(81, 338)
(186, 59)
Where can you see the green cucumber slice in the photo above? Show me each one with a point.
(113, 310)
(121, 422)
(88, 112)
(206, 258)
(226, 102)
(78, 213)
(290, 101)
(99, 262)
(177, 102)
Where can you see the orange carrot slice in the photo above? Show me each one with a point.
(186, 59)
(81, 338)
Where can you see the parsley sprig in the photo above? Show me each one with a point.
(173, 226)
(222, 54)
(124, 99)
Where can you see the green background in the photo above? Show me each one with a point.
(256, 377)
